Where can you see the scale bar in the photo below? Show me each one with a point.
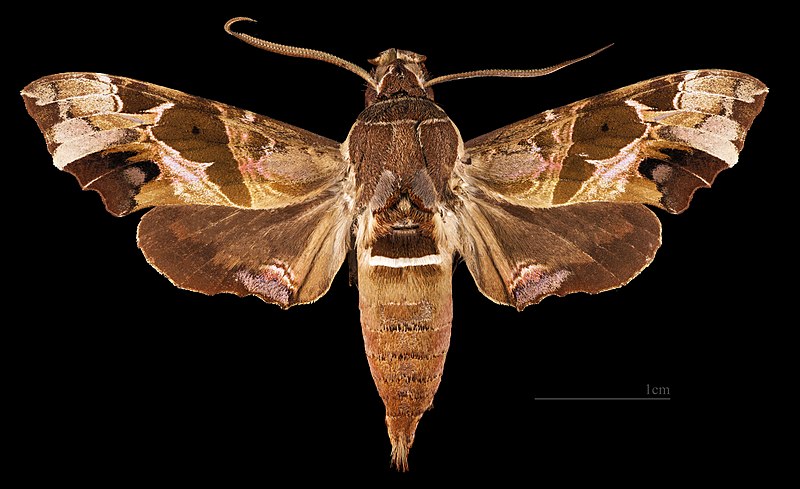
(601, 398)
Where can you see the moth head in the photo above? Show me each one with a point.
(398, 73)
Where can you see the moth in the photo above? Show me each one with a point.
(248, 205)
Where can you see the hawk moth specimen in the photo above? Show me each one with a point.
(248, 205)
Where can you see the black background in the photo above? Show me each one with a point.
(119, 375)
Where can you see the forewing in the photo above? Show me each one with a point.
(654, 142)
(142, 145)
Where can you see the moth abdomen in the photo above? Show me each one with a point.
(406, 318)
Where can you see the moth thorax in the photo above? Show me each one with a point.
(398, 73)
(404, 204)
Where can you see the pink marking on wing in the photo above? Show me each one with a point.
(533, 281)
(661, 173)
(259, 166)
(273, 282)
